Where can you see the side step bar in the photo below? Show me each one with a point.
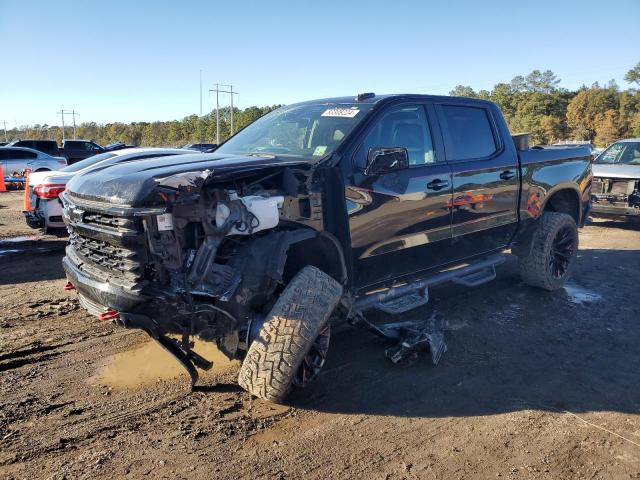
(403, 298)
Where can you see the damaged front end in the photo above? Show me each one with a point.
(204, 255)
(616, 196)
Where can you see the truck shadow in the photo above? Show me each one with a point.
(510, 347)
(31, 261)
(632, 225)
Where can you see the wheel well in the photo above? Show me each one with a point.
(564, 201)
(43, 170)
(319, 251)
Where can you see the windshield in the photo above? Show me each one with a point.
(87, 162)
(622, 152)
(301, 131)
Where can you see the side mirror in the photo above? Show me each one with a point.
(386, 159)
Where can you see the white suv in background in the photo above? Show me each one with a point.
(44, 187)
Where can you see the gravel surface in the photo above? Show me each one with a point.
(533, 385)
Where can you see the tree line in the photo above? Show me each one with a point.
(191, 129)
(534, 103)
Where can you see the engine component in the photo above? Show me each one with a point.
(264, 213)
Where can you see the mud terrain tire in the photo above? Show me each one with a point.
(294, 322)
(555, 240)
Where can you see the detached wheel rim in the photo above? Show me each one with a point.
(314, 359)
(562, 250)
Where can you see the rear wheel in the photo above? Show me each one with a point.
(293, 341)
(553, 254)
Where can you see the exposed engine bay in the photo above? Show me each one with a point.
(208, 262)
(212, 248)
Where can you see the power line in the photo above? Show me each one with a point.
(73, 113)
(218, 92)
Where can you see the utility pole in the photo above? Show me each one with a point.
(4, 122)
(73, 113)
(218, 91)
(61, 113)
(231, 92)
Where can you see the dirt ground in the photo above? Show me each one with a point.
(534, 385)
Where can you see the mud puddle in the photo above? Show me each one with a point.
(21, 238)
(13, 251)
(579, 295)
(150, 363)
(24, 244)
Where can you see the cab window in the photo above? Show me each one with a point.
(402, 126)
(467, 133)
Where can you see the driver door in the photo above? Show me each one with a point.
(400, 221)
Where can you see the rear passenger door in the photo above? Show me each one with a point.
(485, 179)
(399, 221)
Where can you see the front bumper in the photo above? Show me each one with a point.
(96, 295)
(615, 210)
(106, 256)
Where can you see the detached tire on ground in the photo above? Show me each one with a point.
(296, 324)
(553, 254)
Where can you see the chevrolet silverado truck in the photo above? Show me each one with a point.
(319, 212)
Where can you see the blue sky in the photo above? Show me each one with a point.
(140, 60)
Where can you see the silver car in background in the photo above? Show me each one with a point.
(45, 187)
(15, 160)
(615, 191)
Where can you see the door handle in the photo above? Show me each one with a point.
(507, 175)
(438, 184)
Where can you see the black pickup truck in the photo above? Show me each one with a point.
(316, 212)
(72, 150)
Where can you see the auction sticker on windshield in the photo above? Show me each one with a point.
(320, 150)
(340, 112)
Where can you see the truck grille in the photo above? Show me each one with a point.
(107, 247)
(113, 260)
(110, 221)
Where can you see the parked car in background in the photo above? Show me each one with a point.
(616, 180)
(15, 160)
(45, 187)
(72, 150)
(50, 147)
(112, 147)
(201, 147)
(76, 150)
